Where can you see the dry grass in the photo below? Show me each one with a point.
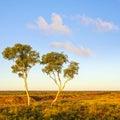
(94, 97)
(69, 106)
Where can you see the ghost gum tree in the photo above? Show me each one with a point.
(53, 66)
(24, 58)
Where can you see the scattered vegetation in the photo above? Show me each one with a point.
(70, 106)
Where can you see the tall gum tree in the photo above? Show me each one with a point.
(24, 58)
(53, 66)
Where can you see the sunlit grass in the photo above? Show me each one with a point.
(69, 106)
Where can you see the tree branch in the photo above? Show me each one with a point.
(65, 83)
(60, 86)
(54, 75)
(54, 80)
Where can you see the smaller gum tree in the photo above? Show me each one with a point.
(53, 66)
(24, 58)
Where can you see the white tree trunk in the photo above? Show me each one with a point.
(26, 88)
(59, 90)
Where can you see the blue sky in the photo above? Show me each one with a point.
(87, 31)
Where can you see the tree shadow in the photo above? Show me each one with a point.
(36, 98)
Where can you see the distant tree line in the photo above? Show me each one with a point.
(24, 58)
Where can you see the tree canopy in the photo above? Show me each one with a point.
(23, 56)
(53, 62)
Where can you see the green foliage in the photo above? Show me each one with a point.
(54, 62)
(23, 56)
(71, 70)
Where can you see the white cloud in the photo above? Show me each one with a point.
(56, 25)
(98, 23)
(81, 51)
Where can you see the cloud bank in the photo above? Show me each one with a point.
(98, 24)
(81, 51)
(56, 25)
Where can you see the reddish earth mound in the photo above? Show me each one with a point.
(12, 100)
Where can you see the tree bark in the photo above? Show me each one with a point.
(56, 96)
(26, 88)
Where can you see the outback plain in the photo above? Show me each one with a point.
(46, 44)
(70, 105)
